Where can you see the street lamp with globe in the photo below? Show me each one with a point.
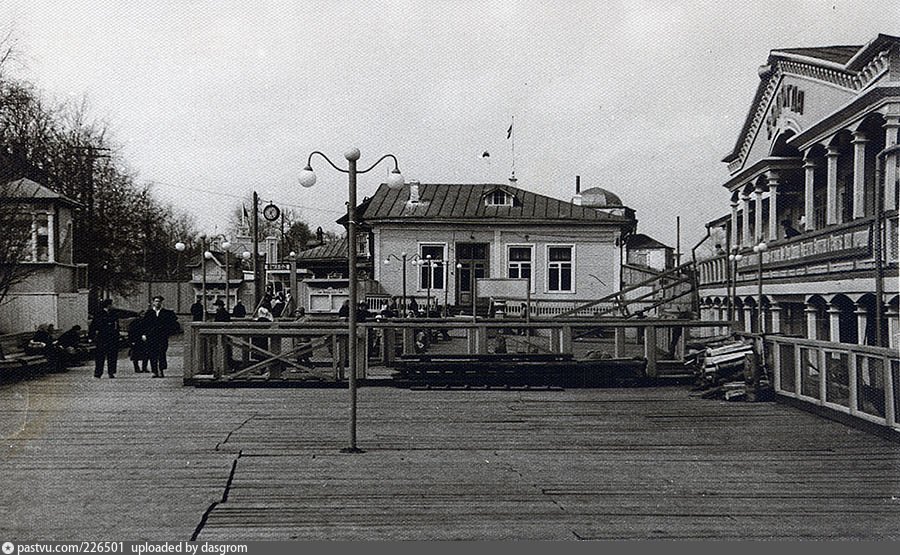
(395, 180)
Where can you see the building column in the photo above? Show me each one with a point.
(809, 206)
(775, 309)
(772, 179)
(51, 237)
(734, 223)
(859, 175)
(746, 239)
(812, 328)
(834, 324)
(748, 319)
(758, 219)
(893, 325)
(831, 207)
(891, 130)
(861, 320)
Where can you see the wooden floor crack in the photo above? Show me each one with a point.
(215, 504)
(236, 428)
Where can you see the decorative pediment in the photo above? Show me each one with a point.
(801, 86)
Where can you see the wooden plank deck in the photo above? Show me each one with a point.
(137, 458)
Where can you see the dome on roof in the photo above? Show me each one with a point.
(597, 197)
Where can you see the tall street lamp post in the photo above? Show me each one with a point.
(226, 246)
(430, 264)
(761, 320)
(292, 257)
(204, 256)
(733, 260)
(246, 255)
(395, 180)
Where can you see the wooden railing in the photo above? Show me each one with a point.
(841, 247)
(858, 380)
(216, 352)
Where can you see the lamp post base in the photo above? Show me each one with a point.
(352, 450)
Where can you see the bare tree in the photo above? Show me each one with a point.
(16, 249)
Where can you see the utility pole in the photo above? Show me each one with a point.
(90, 153)
(257, 281)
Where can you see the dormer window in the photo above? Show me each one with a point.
(499, 197)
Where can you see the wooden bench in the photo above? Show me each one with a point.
(484, 369)
(14, 357)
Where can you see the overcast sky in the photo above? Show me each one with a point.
(213, 99)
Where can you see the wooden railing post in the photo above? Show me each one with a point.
(650, 350)
(220, 363)
(619, 347)
(337, 357)
(362, 352)
(409, 341)
(275, 366)
(890, 414)
(190, 350)
(388, 343)
(566, 340)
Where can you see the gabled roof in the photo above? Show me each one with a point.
(452, 203)
(335, 250)
(24, 188)
(835, 54)
(843, 65)
(641, 241)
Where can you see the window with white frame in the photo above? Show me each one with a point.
(559, 268)
(431, 271)
(498, 198)
(519, 261)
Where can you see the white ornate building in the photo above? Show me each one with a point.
(813, 179)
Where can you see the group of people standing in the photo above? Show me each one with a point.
(148, 338)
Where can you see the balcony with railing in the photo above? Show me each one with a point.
(837, 249)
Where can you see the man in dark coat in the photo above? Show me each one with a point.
(222, 314)
(138, 346)
(104, 332)
(239, 311)
(197, 311)
(159, 324)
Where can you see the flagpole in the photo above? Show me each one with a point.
(513, 146)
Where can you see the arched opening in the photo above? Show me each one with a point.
(781, 149)
(766, 315)
(846, 316)
(844, 189)
(739, 314)
(751, 310)
(816, 156)
(817, 318)
(872, 129)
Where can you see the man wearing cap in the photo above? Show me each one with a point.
(159, 324)
(221, 315)
(104, 332)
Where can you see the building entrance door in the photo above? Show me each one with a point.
(472, 263)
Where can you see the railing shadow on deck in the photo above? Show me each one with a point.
(857, 380)
(315, 352)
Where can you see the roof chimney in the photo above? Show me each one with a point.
(413, 191)
(576, 200)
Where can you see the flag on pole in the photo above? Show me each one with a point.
(509, 131)
(244, 216)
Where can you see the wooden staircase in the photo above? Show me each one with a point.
(670, 293)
